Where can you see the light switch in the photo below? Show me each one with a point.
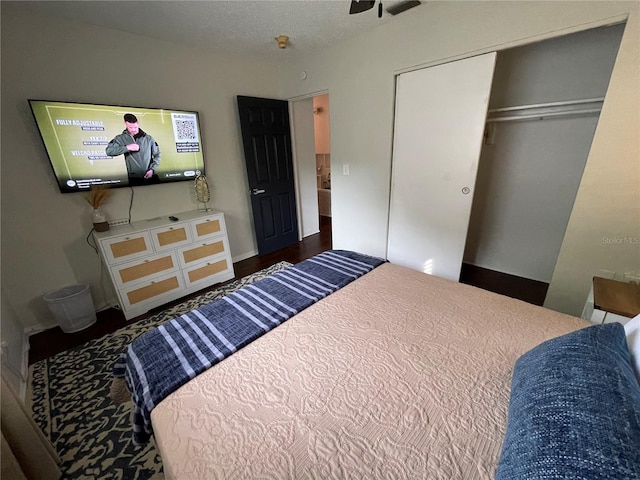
(345, 169)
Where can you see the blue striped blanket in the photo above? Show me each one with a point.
(165, 358)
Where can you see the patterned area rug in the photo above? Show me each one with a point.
(70, 401)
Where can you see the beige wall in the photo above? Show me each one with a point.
(359, 76)
(44, 232)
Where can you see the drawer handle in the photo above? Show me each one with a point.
(170, 228)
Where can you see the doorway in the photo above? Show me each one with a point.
(312, 159)
(266, 138)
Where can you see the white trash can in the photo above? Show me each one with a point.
(72, 307)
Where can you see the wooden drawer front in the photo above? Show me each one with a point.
(206, 271)
(171, 237)
(135, 271)
(121, 249)
(208, 227)
(152, 290)
(202, 252)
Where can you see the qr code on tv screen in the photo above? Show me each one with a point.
(185, 127)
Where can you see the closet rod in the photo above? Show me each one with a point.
(541, 116)
(541, 111)
(548, 105)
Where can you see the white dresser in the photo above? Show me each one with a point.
(152, 262)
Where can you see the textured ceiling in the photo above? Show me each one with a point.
(237, 27)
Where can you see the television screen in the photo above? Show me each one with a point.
(118, 146)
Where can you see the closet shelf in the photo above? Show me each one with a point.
(540, 111)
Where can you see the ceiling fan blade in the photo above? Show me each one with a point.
(359, 6)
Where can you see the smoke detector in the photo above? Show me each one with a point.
(282, 41)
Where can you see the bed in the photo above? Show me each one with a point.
(398, 374)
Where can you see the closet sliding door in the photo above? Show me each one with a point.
(439, 126)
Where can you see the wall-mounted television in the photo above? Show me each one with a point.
(91, 144)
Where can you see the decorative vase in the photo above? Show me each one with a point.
(203, 194)
(100, 223)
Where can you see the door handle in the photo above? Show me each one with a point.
(257, 191)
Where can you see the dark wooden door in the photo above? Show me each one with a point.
(266, 138)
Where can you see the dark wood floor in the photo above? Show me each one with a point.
(531, 291)
(50, 342)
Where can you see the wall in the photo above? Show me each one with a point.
(44, 232)
(525, 189)
(359, 76)
(528, 177)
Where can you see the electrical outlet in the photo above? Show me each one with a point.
(115, 223)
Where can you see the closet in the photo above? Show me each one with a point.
(489, 152)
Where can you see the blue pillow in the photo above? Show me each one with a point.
(574, 411)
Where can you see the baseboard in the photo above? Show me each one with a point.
(28, 331)
(244, 256)
(107, 306)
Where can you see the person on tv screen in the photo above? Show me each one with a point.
(141, 152)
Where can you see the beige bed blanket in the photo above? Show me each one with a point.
(397, 375)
